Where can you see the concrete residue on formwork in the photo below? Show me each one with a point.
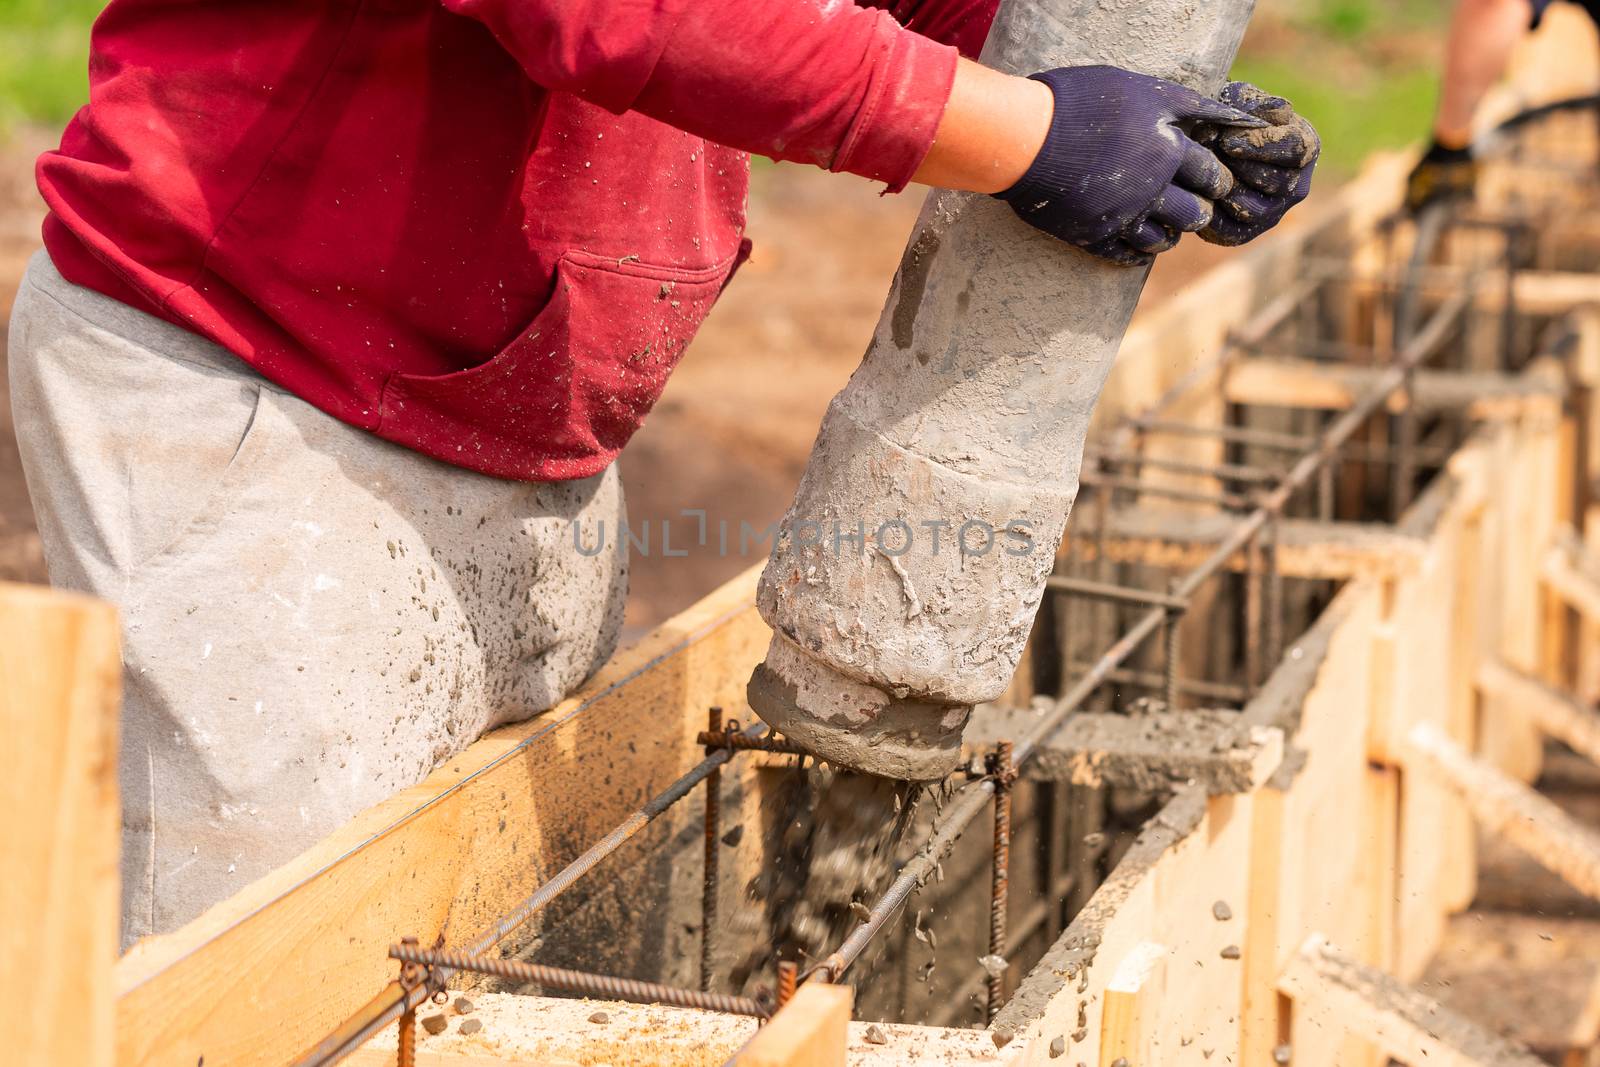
(549, 1030)
(553, 1030)
(1150, 751)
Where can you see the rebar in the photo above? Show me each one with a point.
(1273, 610)
(1156, 681)
(731, 741)
(396, 999)
(644, 816)
(1254, 332)
(788, 981)
(708, 893)
(1041, 916)
(605, 986)
(1103, 616)
(1242, 435)
(1227, 472)
(1136, 487)
(1252, 615)
(1430, 228)
(1508, 310)
(1290, 443)
(959, 813)
(1004, 773)
(1325, 510)
(1122, 594)
(405, 1042)
(1171, 654)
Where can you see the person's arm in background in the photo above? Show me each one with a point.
(1482, 36)
(847, 88)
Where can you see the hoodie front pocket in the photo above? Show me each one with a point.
(561, 399)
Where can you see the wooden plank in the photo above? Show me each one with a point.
(1335, 992)
(1262, 1021)
(1504, 806)
(1303, 383)
(1166, 889)
(1417, 656)
(264, 975)
(1132, 998)
(60, 677)
(1335, 551)
(810, 1031)
(1326, 858)
(1557, 713)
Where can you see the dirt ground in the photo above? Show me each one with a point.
(733, 430)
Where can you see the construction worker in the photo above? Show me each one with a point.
(1482, 36)
(348, 307)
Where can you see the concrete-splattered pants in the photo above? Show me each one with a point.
(312, 617)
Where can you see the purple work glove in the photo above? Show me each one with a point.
(1271, 165)
(1116, 176)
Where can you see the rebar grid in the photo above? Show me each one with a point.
(1261, 505)
(1253, 530)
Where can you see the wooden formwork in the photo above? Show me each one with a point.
(1234, 925)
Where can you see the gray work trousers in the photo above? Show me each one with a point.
(312, 618)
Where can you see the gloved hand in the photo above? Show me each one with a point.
(1441, 174)
(1116, 176)
(1271, 165)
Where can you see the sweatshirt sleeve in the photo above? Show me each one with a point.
(826, 82)
(962, 23)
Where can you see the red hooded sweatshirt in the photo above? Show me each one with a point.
(483, 229)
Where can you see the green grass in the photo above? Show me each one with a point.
(1385, 109)
(44, 49)
(1363, 71)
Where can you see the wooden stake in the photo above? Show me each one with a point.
(810, 1031)
(60, 677)
(1128, 1025)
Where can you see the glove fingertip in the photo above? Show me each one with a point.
(1232, 116)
